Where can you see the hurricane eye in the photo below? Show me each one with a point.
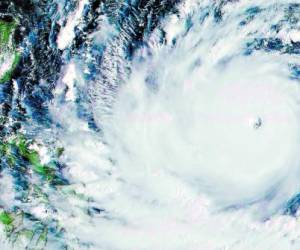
(257, 123)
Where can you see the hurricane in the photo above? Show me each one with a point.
(150, 124)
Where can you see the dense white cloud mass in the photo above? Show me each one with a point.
(201, 149)
(205, 127)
